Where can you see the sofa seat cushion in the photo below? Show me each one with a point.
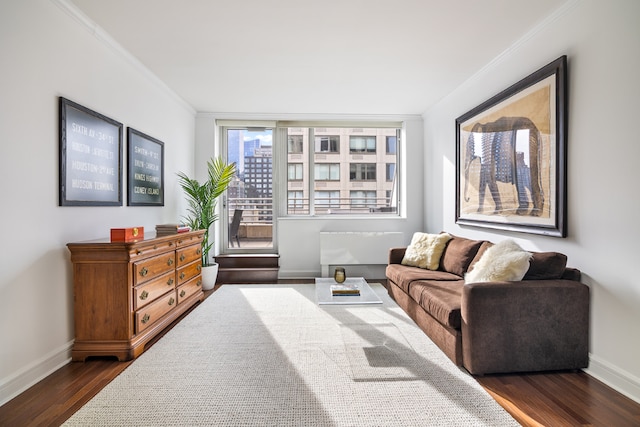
(403, 275)
(441, 299)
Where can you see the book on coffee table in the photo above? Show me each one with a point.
(324, 296)
(345, 289)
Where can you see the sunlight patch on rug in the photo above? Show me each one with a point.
(378, 352)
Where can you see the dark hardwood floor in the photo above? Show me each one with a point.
(540, 399)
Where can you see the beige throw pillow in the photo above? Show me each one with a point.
(425, 250)
(504, 261)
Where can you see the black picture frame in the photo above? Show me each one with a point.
(145, 166)
(90, 159)
(511, 157)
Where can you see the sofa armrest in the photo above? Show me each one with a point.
(532, 325)
(396, 255)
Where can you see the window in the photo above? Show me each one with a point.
(327, 172)
(361, 198)
(296, 201)
(391, 144)
(345, 170)
(327, 199)
(294, 144)
(390, 169)
(251, 190)
(327, 144)
(362, 144)
(295, 171)
(362, 172)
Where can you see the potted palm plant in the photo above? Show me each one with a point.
(203, 199)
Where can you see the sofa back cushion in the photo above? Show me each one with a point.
(483, 248)
(546, 265)
(458, 255)
(572, 274)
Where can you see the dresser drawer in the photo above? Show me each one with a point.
(188, 254)
(191, 287)
(151, 248)
(189, 239)
(149, 268)
(189, 271)
(149, 291)
(151, 313)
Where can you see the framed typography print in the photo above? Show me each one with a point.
(145, 158)
(90, 157)
(511, 157)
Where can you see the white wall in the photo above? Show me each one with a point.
(602, 41)
(45, 53)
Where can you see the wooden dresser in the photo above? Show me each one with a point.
(125, 293)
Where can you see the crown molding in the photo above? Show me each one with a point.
(103, 37)
(310, 116)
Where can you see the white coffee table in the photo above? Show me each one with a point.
(323, 292)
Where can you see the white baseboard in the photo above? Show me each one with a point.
(621, 381)
(15, 384)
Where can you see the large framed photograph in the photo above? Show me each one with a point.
(145, 157)
(511, 157)
(90, 157)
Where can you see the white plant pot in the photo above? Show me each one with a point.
(209, 276)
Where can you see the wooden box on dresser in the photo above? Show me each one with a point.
(125, 293)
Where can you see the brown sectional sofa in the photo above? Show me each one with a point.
(540, 323)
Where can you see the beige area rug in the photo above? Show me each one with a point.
(268, 355)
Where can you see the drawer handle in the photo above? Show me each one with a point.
(170, 281)
(144, 295)
(181, 275)
(199, 267)
(138, 252)
(144, 271)
(198, 251)
(170, 261)
(182, 257)
(171, 301)
(170, 243)
(182, 293)
(199, 283)
(145, 318)
(155, 247)
(179, 242)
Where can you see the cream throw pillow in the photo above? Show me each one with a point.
(425, 250)
(504, 261)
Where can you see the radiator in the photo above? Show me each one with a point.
(347, 248)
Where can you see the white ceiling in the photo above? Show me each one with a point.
(302, 56)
